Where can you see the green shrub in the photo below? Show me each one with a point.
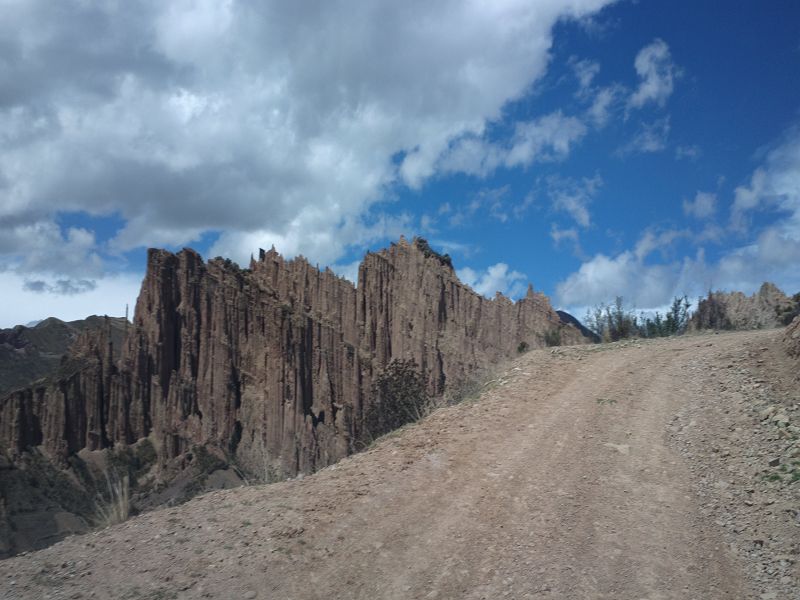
(553, 337)
(616, 322)
(523, 347)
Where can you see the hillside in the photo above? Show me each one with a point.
(658, 469)
(30, 353)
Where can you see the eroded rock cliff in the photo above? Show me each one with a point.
(272, 365)
(68, 411)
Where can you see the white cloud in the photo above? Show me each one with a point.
(585, 71)
(571, 235)
(272, 122)
(774, 185)
(573, 196)
(651, 137)
(42, 247)
(633, 274)
(772, 253)
(656, 73)
(324, 246)
(558, 235)
(603, 278)
(600, 110)
(548, 138)
(703, 206)
(497, 278)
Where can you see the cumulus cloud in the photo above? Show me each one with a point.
(703, 206)
(648, 284)
(656, 73)
(497, 278)
(632, 274)
(774, 185)
(603, 278)
(43, 247)
(771, 254)
(271, 122)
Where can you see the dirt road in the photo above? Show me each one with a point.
(569, 478)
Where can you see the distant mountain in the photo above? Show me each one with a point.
(568, 319)
(30, 353)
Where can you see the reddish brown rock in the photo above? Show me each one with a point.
(273, 364)
(67, 412)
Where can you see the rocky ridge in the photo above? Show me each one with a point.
(270, 366)
(31, 353)
(765, 309)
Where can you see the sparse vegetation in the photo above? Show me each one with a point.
(468, 388)
(711, 313)
(428, 252)
(552, 337)
(616, 322)
(259, 468)
(399, 397)
(114, 507)
(523, 348)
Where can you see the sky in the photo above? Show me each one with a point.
(592, 148)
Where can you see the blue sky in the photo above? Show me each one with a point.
(592, 148)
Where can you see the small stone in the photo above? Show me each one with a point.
(774, 462)
(250, 595)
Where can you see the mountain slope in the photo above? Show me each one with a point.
(620, 471)
(30, 353)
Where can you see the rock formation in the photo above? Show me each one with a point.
(66, 412)
(767, 308)
(30, 353)
(272, 365)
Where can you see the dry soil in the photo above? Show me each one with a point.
(646, 470)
